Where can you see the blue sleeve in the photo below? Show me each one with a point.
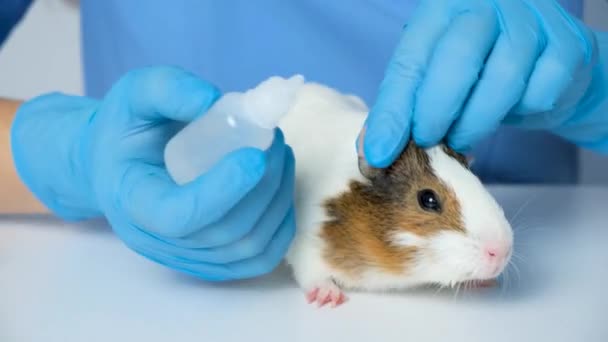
(11, 11)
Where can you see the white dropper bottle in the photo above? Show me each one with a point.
(235, 120)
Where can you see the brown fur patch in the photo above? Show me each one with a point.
(364, 218)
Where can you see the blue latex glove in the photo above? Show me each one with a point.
(463, 67)
(84, 158)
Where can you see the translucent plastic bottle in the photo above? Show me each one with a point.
(236, 120)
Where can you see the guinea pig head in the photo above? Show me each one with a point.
(441, 213)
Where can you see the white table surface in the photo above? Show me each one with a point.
(77, 282)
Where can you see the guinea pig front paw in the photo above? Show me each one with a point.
(326, 292)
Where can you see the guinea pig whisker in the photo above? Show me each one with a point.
(519, 211)
(516, 271)
(525, 225)
(529, 228)
(521, 227)
(440, 288)
(518, 257)
(469, 284)
(525, 205)
(457, 290)
(522, 221)
(505, 283)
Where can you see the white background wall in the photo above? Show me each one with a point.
(42, 55)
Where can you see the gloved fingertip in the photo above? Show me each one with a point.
(461, 148)
(251, 164)
(423, 142)
(425, 139)
(292, 225)
(290, 157)
(213, 93)
(165, 92)
(383, 141)
(205, 93)
(210, 93)
(279, 138)
(216, 192)
(236, 173)
(380, 152)
(456, 143)
(277, 153)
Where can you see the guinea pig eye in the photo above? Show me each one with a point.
(428, 200)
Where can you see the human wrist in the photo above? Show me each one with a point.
(46, 143)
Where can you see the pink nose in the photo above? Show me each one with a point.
(497, 251)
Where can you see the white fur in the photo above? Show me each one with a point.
(318, 128)
(322, 127)
(483, 218)
(407, 239)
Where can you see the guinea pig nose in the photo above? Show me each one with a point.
(497, 251)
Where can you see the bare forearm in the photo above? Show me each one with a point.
(15, 198)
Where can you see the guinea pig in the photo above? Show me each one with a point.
(426, 219)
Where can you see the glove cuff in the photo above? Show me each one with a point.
(46, 137)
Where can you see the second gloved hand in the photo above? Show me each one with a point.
(463, 67)
(85, 158)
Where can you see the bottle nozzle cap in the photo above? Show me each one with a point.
(271, 99)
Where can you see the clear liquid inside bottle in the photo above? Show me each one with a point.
(204, 142)
(227, 126)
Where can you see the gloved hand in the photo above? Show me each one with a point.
(84, 158)
(463, 67)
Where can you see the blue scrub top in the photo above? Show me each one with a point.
(344, 44)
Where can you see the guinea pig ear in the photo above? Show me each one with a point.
(365, 169)
(461, 158)
(470, 160)
(369, 171)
